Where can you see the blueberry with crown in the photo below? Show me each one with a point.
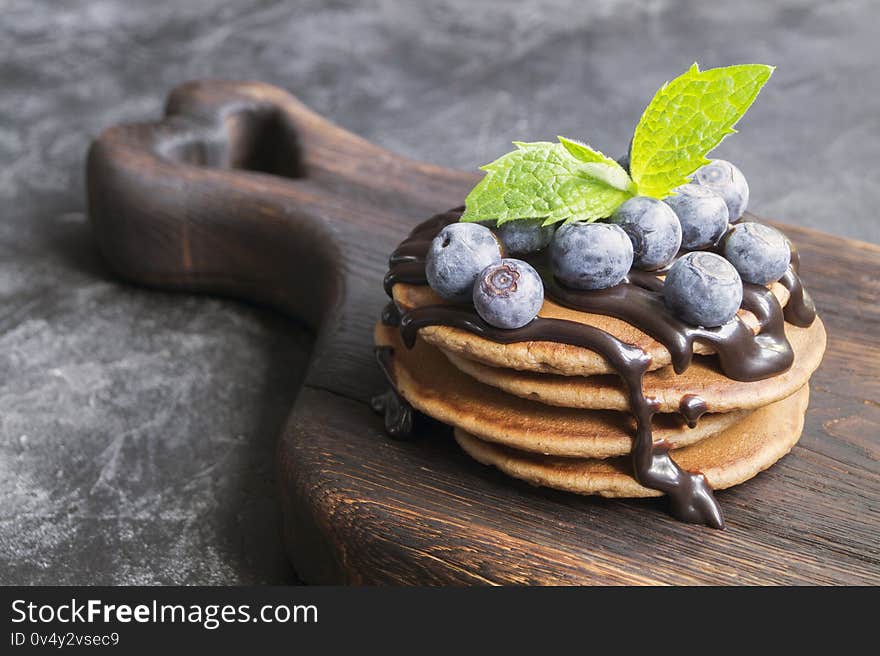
(508, 294)
(727, 181)
(760, 253)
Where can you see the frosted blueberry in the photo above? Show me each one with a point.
(703, 289)
(702, 214)
(727, 181)
(653, 228)
(590, 255)
(456, 256)
(508, 294)
(524, 236)
(758, 252)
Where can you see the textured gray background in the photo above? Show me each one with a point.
(137, 428)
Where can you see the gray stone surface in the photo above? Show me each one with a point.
(136, 427)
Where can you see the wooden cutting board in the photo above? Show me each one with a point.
(242, 191)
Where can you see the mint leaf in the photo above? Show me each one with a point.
(544, 180)
(687, 118)
(608, 170)
(585, 152)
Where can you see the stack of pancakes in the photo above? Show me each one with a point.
(557, 415)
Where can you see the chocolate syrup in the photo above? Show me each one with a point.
(794, 260)
(407, 263)
(742, 355)
(800, 309)
(638, 300)
(690, 496)
(692, 407)
(390, 314)
(397, 410)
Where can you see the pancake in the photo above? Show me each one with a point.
(429, 382)
(702, 378)
(727, 459)
(550, 357)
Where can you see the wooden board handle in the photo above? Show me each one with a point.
(241, 190)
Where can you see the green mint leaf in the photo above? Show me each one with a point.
(687, 118)
(543, 180)
(605, 168)
(585, 152)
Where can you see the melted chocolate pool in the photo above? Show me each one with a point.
(742, 355)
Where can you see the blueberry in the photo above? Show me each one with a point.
(727, 181)
(524, 236)
(508, 294)
(760, 253)
(653, 229)
(457, 255)
(703, 289)
(590, 255)
(702, 214)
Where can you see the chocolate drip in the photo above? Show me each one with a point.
(407, 262)
(800, 309)
(795, 260)
(742, 355)
(692, 407)
(415, 246)
(691, 498)
(410, 272)
(646, 279)
(390, 314)
(397, 411)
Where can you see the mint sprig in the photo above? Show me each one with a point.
(571, 181)
(544, 180)
(686, 119)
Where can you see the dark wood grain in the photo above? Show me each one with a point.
(240, 190)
